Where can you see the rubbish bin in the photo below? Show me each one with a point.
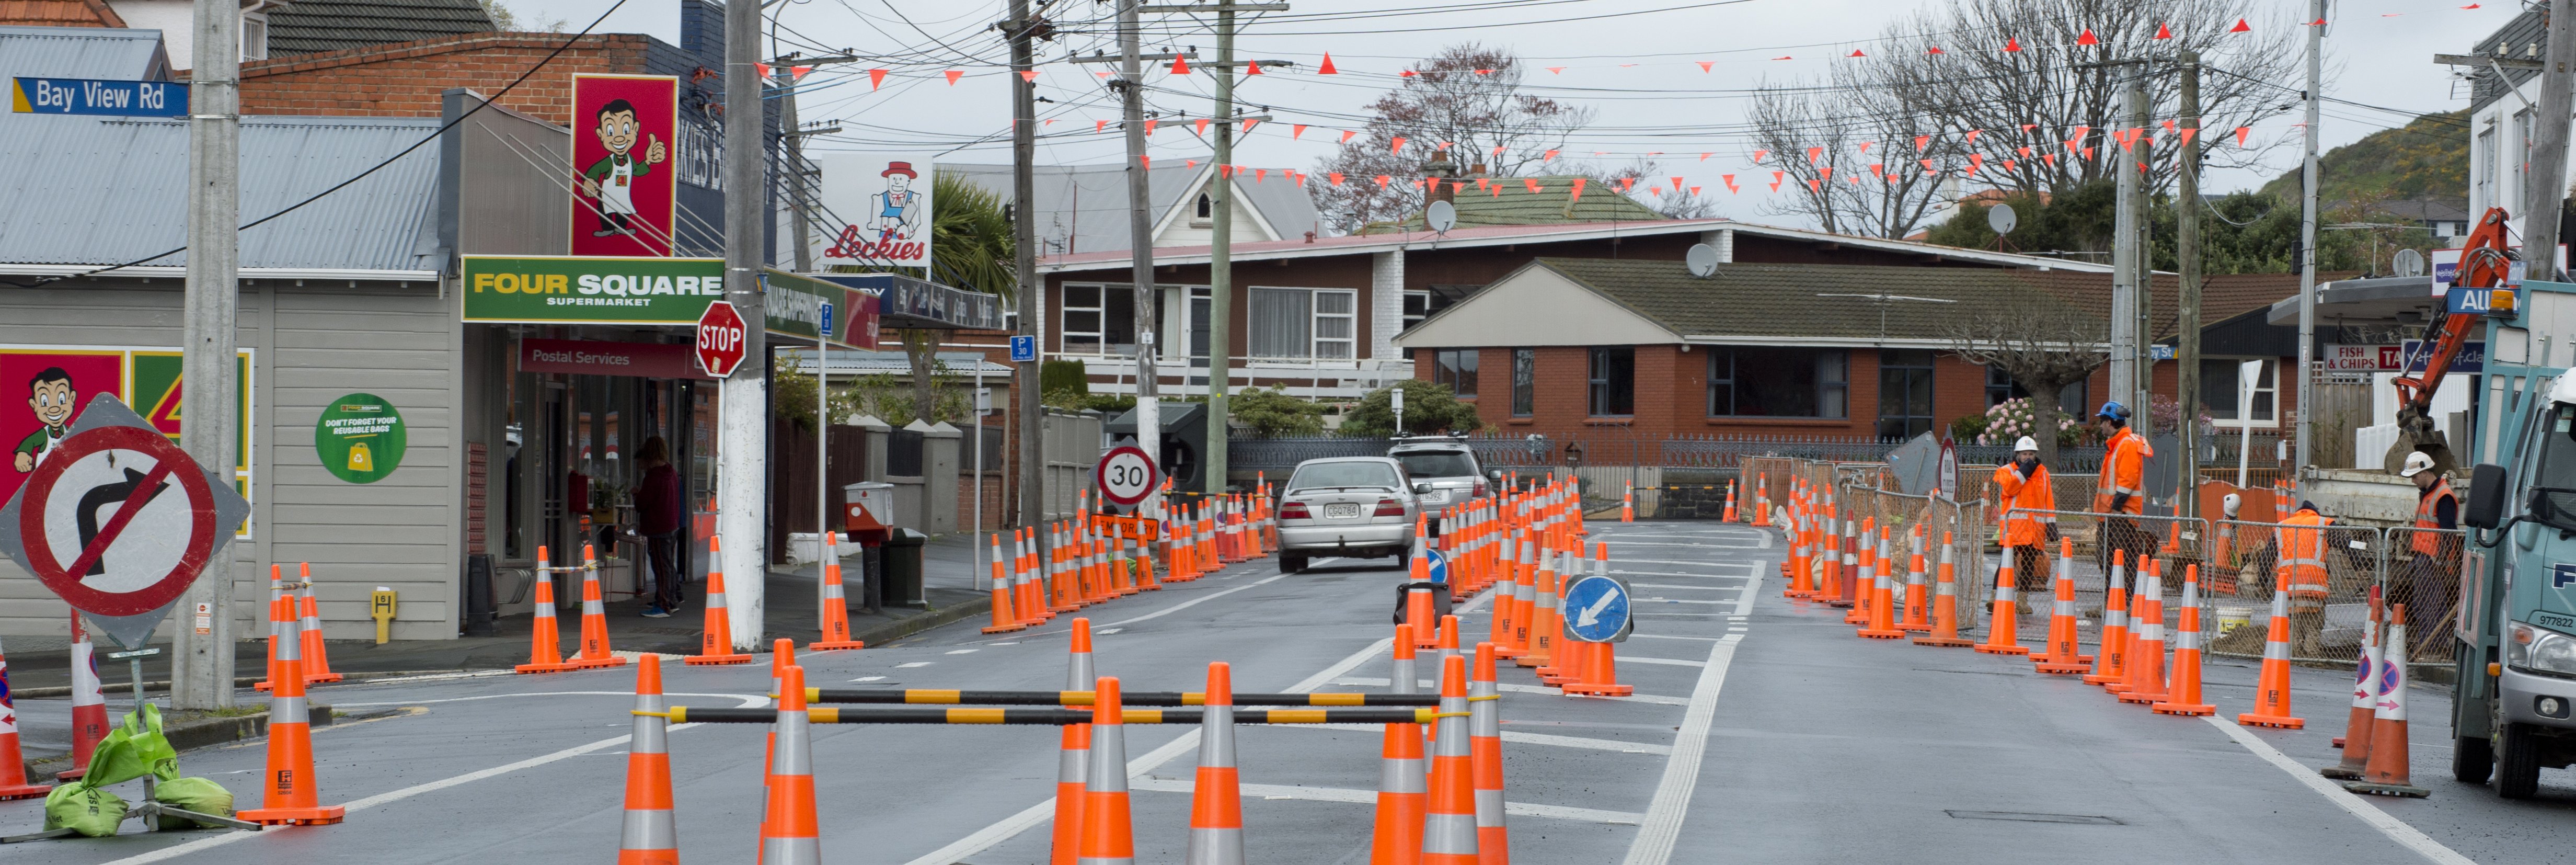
(901, 572)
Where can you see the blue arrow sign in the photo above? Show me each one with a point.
(1439, 566)
(1596, 609)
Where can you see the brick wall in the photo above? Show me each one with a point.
(404, 79)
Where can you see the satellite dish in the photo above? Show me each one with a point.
(1702, 259)
(2002, 219)
(1441, 216)
(2408, 263)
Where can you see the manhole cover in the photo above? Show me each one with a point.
(2033, 817)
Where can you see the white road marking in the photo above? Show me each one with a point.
(1644, 601)
(1744, 602)
(1369, 797)
(1515, 738)
(430, 677)
(869, 679)
(910, 664)
(1199, 600)
(1628, 573)
(1686, 588)
(1009, 827)
(1662, 828)
(1749, 566)
(1527, 689)
(2359, 806)
(762, 701)
(1670, 637)
(1106, 632)
(961, 652)
(1676, 662)
(208, 843)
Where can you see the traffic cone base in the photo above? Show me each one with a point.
(2287, 723)
(715, 638)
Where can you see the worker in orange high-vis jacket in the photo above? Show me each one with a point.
(2023, 492)
(2301, 547)
(2121, 491)
(2431, 578)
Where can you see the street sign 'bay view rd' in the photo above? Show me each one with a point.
(118, 521)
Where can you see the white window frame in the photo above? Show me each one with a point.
(1350, 344)
(1411, 319)
(2271, 365)
(2486, 155)
(1065, 332)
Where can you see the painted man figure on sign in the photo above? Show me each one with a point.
(51, 395)
(611, 180)
(893, 214)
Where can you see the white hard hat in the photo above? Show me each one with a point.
(2026, 444)
(2416, 463)
(2230, 504)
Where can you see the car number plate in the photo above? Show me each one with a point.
(1343, 511)
(1435, 497)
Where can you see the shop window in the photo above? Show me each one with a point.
(1613, 382)
(1904, 393)
(1455, 367)
(1524, 381)
(1777, 382)
(2222, 389)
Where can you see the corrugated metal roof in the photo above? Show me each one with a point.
(115, 189)
(1083, 208)
(82, 52)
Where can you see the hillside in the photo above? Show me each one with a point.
(2426, 158)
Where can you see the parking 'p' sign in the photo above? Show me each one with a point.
(1126, 475)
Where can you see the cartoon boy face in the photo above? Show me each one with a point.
(52, 400)
(617, 129)
(898, 184)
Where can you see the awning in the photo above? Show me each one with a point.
(2365, 301)
(905, 301)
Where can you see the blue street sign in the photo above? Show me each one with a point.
(1439, 566)
(1024, 349)
(87, 96)
(827, 321)
(2160, 352)
(2481, 301)
(2471, 359)
(1596, 609)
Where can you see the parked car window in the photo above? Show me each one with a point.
(1354, 474)
(1437, 464)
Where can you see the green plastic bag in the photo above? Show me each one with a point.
(133, 750)
(85, 809)
(195, 794)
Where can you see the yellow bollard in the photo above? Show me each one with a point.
(381, 606)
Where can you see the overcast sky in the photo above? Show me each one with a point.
(1636, 62)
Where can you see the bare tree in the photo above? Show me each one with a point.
(2046, 116)
(2044, 350)
(1851, 159)
(1466, 105)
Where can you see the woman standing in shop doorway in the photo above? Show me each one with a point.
(657, 514)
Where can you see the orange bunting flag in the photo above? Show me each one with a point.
(1556, 70)
(1405, 74)
(1730, 181)
(1704, 156)
(2078, 140)
(1225, 171)
(1296, 131)
(1252, 67)
(2186, 133)
(1248, 123)
(1656, 191)
(1193, 163)
(1335, 177)
(2049, 158)
(1199, 128)
(876, 78)
(2011, 165)
(1707, 65)
(1300, 177)
(1260, 174)
(1498, 151)
(1028, 75)
(2162, 31)
(2011, 44)
(2169, 125)
(1495, 190)
(1346, 136)
(2128, 138)
(2241, 132)
(1577, 193)
(2087, 38)
(1935, 50)
(1180, 64)
(2088, 154)
(1972, 135)
(1547, 156)
(953, 75)
(1927, 164)
(1677, 184)
(1784, 57)
(1484, 72)
(1878, 169)
(1098, 125)
(1856, 53)
(1815, 185)
(1383, 180)
(2025, 151)
(2240, 27)
(1327, 69)
(1922, 143)
(1149, 127)
(1826, 173)
(1145, 162)
(1976, 161)
(1444, 146)
(1758, 154)
(1813, 153)
(1531, 184)
(1775, 182)
(1694, 192)
(1399, 146)
(1864, 146)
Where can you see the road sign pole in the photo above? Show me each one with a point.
(202, 670)
(742, 440)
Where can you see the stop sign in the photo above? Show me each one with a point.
(720, 339)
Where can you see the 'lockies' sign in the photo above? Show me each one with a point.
(601, 290)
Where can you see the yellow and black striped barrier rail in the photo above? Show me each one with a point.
(1049, 717)
(941, 697)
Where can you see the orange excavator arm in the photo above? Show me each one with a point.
(2486, 258)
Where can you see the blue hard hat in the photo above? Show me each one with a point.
(2113, 410)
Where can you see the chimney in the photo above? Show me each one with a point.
(1476, 170)
(1439, 168)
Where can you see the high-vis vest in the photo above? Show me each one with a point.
(2023, 527)
(2428, 521)
(2124, 470)
(2303, 551)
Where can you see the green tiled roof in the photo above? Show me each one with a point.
(1553, 204)
(1829, 302)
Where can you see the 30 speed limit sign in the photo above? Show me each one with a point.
(1126, 475)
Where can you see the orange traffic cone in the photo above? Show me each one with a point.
(652, 835)
(1505, 593)
(791, 833)
(317, 664)
(2272, 685)
(1945, 604)
(2146, 684)
(1004, 619)
(89, 706)
(1449, 822)
(2388, 774)
(836, 600)
(1031, 602)
(289, 793)
(1845, 571)
(1545, 626)
(1918, 592)
(1864, 580)
(545, 643)
(2112, 666)
(1073, 760)
(2062, 655)
(2186, 658)
(1485, 749)
(2355, 740)
(1881, 621)
(715, 640)
(13, 763)
(1401, 796)
(1216, 801)
(1730, 504)
(2003, 635)
(594, 617)
(1108, 832)
(276, 590)
(1628, 504)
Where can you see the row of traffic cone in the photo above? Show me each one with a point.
(317, 665)
(545, 643)
(1448, 808)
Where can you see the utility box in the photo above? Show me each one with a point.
(1185, 438)
(869, 511)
